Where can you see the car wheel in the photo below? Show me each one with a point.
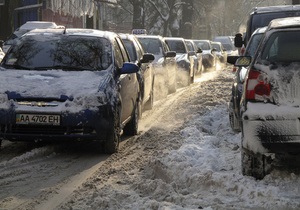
(111, 145)
(255, 165)
(131, 128)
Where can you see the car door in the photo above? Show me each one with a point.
(128, 83)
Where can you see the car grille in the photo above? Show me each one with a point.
(47, 130)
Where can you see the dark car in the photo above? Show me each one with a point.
(238, 81)
(69, 84)
(184, 59)
(261, 16)
(271, 100)
(146, 73)
(164, 63)
(227, 43)
(208, 54)
(198, 65)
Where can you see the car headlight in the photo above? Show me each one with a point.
(89, 101)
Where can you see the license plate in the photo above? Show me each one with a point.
(40, 119)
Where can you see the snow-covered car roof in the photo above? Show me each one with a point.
(277, 8)
(285, 22)
(29, 25)
(75, 31)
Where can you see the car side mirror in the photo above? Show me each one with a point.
(240, 61)
(170, 54)
(238, 40)
(199, 50)
(147, 57)
(129, 68)
(243, 61)
(232, 59)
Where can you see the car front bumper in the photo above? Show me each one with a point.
(89, 124)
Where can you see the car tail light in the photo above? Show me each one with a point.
(258, 87)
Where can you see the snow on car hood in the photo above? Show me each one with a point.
(50, 83)
(77, 89)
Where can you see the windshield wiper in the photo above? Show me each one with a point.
(75, 68)
(16, 66)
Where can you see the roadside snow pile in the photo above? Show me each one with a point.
(205, 172)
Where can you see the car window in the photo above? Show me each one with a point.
(282, 46)
(131, 49)
(253, 44)
(124, 53)
(60, 52)
(151, 45)
(190, 46)
(217, 47)
(176, 45)
(118, 55)
(203, 45)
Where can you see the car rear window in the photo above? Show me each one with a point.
(282, 46)
(60, 52)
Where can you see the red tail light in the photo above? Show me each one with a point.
(258, 87)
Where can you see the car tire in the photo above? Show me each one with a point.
(131, 128)
(255, 165)
(111, 145)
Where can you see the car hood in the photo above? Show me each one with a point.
(54, 84)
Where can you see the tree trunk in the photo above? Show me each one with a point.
(138, 14)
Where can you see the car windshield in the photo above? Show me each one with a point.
(190, 46)
(150, 45)
(283, 46)
(203, 45)
(176, 45)
(37, 52)
(253, 44)
(263, 19)
(217, 47)
(228, 47)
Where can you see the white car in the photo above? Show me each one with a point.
(26, 27)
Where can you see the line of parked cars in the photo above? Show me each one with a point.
(62, 84)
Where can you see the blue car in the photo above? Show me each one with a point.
(69, 84)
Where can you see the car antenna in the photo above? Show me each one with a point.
(65, 30)
(68, 21)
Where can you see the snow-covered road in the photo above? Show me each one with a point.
(185, 157)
